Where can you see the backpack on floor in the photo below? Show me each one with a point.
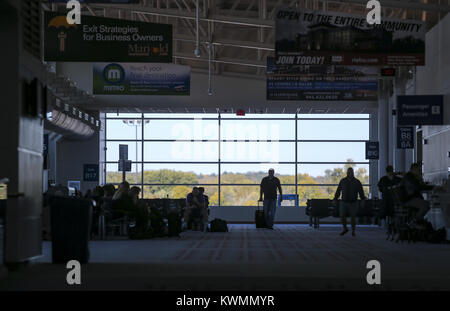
(219, 225)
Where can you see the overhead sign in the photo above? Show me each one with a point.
(90, 172)
(299, 82)
(123, 152)
(306, 37)
(141, 79)
(420, 110)
(405, 137)
(372, 150)
(100, 39)
(124, 165)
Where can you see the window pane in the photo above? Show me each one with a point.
(258, 151)
(253, 173)
(258, 116)
(112, 151)
(330, 173)
(182, 129)
(258, 129)
(113, 176)
(180, 174)
(332, 116)
(181, 151)
(123, 115)
(333, 129)
(331, 152)
(181, 115)
(239, 196)
(118, 129)
(179, 192)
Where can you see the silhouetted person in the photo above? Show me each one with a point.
(195, 208)
(350, 187)
(268, 187)
(385, 186)
(413, 186)
(205, 198)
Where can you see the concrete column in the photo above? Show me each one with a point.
(374, 164)
(21, 152)
(399, 154)
(384, 115)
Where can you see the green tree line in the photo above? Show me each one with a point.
(238, 195)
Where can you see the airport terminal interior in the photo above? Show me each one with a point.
(225, 145)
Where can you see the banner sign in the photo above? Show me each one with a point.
(141, 79)
(305, 37)
(90, 172)
(405, 137)
(100, 39)
(372, 150)
(300, 82)
(420, 110)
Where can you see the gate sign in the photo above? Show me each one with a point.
(123, 152)
(420, 109)
(372, 150)
(405, 137)
(90, 172)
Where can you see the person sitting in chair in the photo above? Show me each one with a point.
(195, 208)
(413, 185)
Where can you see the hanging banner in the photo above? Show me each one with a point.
(141, 79)
(300, 82)
(405, 137)
(100, 39)
(305, 37)
(420, 110)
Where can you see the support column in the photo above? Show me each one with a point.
(384, 115)
(399, 154)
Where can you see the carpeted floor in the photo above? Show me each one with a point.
(292, 257)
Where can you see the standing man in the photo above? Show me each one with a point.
(269, 185)
(350, 188)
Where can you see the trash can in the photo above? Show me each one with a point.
(70, 220)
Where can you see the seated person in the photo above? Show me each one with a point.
(195, 207)
(413, 185)
(205, 198)
(122, 202)
(140, 213)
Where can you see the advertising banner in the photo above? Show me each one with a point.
(141, 79)
(305, 37)
(100, 39)
(299, 82)
(405, 137)
(372, 150)
(420, 110)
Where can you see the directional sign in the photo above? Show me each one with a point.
(420, 109)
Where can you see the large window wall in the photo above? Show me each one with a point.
(228, 155)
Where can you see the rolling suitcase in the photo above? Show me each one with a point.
(260, 219)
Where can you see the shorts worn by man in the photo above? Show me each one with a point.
(269, 186)
(350, 187)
